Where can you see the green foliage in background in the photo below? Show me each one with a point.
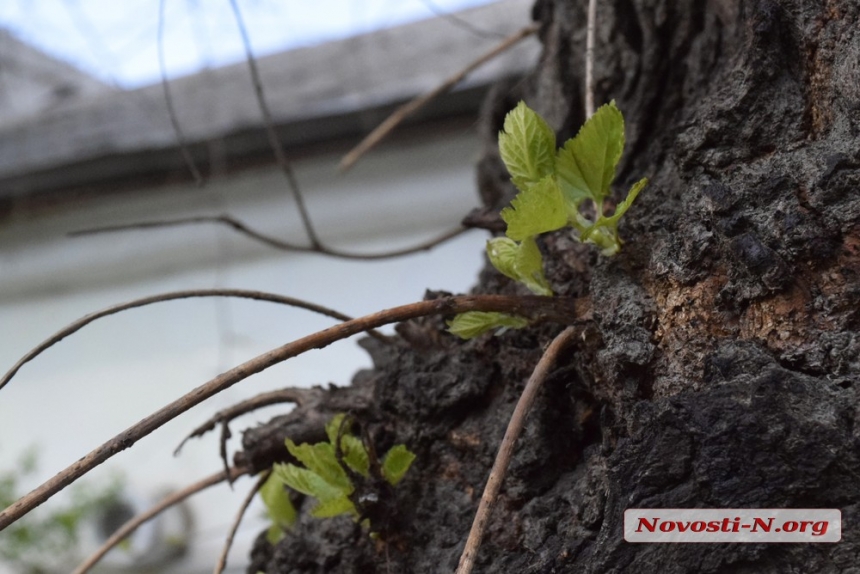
(43, 541)
(558, 188)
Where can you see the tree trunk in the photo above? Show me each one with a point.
(723, 362)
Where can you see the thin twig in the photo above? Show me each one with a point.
(503, 458)
(174, 498)
(93, 38)
(148, 106)
(289, 395)
(404, 111)
(222, 560)
(461, 22)
(172, 296)
(278, 149)
(589, 58)
(557, 309)
(240, 227)
(168, 99)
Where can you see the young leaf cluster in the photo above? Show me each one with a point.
(324, 477)
(557, 188)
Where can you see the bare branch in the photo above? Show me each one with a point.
(290, 395)
(174, 498)
(589, 58)
(503, 458)
(557, 309)
(194, 293)
(240, 227)
(168, 99)
(222, 560)
(278, 149)
(404, 111)
(461, 22)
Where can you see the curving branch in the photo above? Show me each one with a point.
(297, 396)
(291, 395)
(240, 227)
(222, 560)
(278, 149)
(382, 130)
(557, 309)
(316, 245)
(168, 100)
(506, 450)
(172, 296)
(174, 498)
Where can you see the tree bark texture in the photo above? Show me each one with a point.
(722, 366)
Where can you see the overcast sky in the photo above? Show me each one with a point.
(116, 40)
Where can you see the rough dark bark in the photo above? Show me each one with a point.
(723, 364)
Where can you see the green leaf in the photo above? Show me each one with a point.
(332, 428)
(529, 266)
(622, 207)
(502, 252)
(273, 535)
(604, 232)
(585, 166)
(279, 507)
(537, 209)
(309, 483)
(352, 449)
(520, 261)
(474, 323)
(334, 507)
(396, 462)
(355, 455)
(527, 146)
(320, 459)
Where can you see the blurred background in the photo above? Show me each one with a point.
(86, 141)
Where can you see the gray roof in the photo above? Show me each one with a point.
(32, 82)
(334, 90)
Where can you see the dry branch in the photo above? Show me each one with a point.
(238, 293)
(240, 227)
(290, 395)
(406, 110)
(134, 523)
(168, 100)
(222, 560)
(503, 458)
(462, 23)
(316, 245)
(561, 310)
(277, 148)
